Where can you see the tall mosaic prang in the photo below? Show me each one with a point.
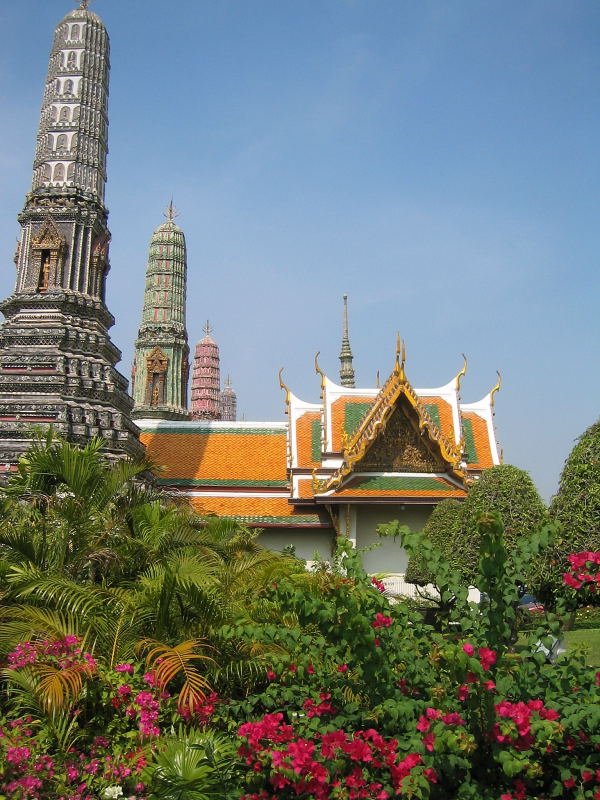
(57, 362)
(161, 365)
(206, 378)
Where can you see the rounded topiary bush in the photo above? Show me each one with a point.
(576, 507)
(441, 528)
(510, 492)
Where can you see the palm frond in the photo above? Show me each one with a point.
(23, 623)
(170, 662)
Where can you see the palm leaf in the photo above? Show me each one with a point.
(170, 662)
(57, 686)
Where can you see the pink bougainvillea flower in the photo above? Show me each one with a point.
(468, 648)
(124, 668)
(489, 685)
(463, 692)
(343, 668)
(453, 719)
(310, 669)
(271, 675)
(430, 774)
(487, 657)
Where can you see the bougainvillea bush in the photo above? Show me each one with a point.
(366, 701)
(338, 692)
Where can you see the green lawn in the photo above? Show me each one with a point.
(589, 640)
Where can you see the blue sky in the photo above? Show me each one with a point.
(438, 161)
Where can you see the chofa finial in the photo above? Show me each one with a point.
(496, 388)
(284, 387)
(462, 373)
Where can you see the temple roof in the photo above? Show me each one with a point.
(395, 430)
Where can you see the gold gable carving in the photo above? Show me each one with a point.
(48, 238)
(400, 447)
(156, 361)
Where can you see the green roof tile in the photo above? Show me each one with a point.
(221, 482)
(402, 483)
(353, 413)
(470, 449)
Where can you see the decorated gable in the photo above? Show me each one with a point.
(401, 447)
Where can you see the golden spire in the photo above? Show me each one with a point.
(83, 4)
(285, 389)
(495, 389)
(207, 329)
(400, 358)
(377, 381)
(462, 373)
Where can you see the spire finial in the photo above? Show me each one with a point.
(378, 381)
(346, 368)
(83, 4)
(171, 212)
(207, 329)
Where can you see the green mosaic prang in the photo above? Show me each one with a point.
(219, 482)
(315, 449)
(353, 413)
(212, 431)
(470, 449)
(403, 483)
(434, 413)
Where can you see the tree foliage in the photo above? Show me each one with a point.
(453, 526)
(576, 507)
(441, 530)
(509, 492)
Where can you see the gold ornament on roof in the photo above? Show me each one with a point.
(400, 358)
(319, 371)
(207, 329)
(285, 389)
(496, 388)
(462, 373)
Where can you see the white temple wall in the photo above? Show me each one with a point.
(307, 541)
(389, 556)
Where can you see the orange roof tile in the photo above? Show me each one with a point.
(274, 511)
(340, 417)
(305, 488)
(212, 455)
(440, 411)
(305, 449)
(477, 441)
